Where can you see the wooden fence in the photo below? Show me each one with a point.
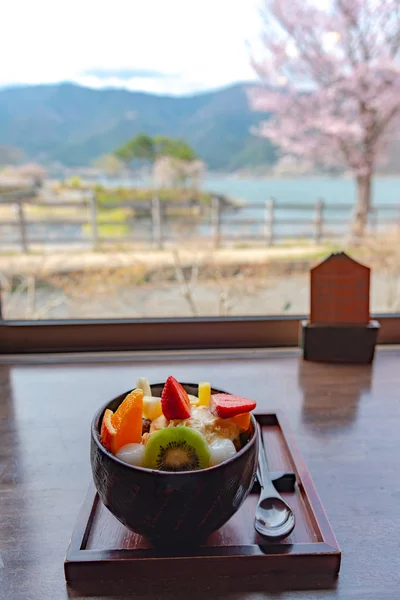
(217, 223)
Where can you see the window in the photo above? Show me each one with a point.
(134, 185)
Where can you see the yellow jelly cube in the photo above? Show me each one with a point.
(204, 393)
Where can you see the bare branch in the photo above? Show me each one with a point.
(186, 286)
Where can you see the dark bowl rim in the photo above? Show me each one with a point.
(96, 439)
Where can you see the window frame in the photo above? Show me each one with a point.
(100, 335)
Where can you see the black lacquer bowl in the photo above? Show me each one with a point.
(171, 508)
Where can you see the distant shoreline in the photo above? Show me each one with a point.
(288, 177)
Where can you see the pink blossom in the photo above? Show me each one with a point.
(341, 64)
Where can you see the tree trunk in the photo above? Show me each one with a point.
(362, 207)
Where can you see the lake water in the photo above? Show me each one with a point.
(302, 190)
(339, 195)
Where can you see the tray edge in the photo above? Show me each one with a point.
(328, 549)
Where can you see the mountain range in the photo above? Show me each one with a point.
(74, 125)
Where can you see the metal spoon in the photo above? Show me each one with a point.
(274, 518)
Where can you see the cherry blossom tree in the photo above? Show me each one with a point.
(331, 76)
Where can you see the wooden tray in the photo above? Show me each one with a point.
(101, 548)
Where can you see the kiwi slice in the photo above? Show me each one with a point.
(177, 449)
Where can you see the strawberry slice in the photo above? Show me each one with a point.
(226, 405)
(175, 402)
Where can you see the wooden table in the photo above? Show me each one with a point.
(346, 419)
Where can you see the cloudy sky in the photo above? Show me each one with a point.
(162, 46)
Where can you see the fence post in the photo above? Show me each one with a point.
(319, 209)
(269, 221)
(22, 226)
(93, 220)
(216, 220)
(156, 220)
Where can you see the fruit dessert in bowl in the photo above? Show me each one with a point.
(174, 462)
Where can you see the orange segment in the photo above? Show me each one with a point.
(243, 421)
(127, 420)
(108, 432)
(125, 407)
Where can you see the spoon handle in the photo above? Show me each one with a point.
(263, 474)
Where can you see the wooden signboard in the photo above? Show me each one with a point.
(340, 291)
(339, 329)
